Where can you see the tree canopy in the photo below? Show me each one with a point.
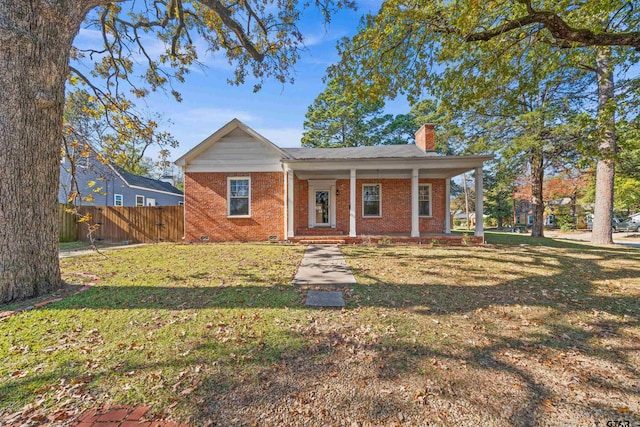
(142, 46)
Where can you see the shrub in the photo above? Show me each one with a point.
(565, 222)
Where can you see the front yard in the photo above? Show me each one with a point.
(521, 332)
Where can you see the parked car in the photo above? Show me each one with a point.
(624, 225)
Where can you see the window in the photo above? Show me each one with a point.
(424, 199)
(118, 200)
(529, 219)
(518, 219)
(139, 200)
(371, 200)
(151, 202)
(239, 196)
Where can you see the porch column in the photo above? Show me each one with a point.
(352, 203)
(447, 205)
(290, 209)
(479, 207)
(415, 205)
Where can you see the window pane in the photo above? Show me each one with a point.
(423, 193)
(371, 192)
(424, 209)
(371, 208)
(239, 187)
(239, 206)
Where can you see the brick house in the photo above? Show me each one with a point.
(239, 186)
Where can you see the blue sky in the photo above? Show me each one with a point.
(277, 111)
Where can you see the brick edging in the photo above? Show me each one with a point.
(95, 279)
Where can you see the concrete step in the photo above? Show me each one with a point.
(319, 232)
(321, 241)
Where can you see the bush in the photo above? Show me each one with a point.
(565, 222)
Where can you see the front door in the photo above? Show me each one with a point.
(322, 208)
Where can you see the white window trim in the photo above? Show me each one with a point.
(371, 184)
(430, 201)
(229, 179)
(115, 198)
(143, 199)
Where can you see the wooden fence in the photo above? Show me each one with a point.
(68, 225)
(144, 224)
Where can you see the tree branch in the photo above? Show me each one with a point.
(560, 30)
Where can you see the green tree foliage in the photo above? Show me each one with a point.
(122, 137)
(334, 120)
(144, 46)
(451, 49)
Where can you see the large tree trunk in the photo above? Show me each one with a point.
(603, 210)
(537, 202)
(35, 42)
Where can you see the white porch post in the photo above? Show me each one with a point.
(415, 206)
(352, 203)
(290, 208)
(447, 205)
(479, 207)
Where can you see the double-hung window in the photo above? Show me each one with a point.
(424, 199)
(239, 196)
(118, 200)
(139, 200)
(371, 200)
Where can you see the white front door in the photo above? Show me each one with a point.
(322, 198)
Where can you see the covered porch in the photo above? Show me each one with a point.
(367, 200)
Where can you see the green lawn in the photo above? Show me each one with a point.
(520, 332)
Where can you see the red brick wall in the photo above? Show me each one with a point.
(396, 207)
(206, 207)
(301, 203)
(436, 223)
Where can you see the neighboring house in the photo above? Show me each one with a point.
(241, 187)
(110, 185)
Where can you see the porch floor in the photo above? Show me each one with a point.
(424, 239)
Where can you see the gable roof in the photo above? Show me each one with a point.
(131, 180)
(372, 152)
(221, 133)
(143, 182)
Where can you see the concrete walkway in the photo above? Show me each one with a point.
(324, 265)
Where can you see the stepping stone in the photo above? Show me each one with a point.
(324, 299)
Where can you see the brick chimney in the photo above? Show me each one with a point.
(426, 137)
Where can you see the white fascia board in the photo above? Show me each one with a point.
(156, 191)
(436, 162)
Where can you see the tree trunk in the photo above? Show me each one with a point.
(603, 210)
(572, 208)
(35, 42)
(537, 202)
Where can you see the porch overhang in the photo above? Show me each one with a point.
(428, 166)
(414, 168)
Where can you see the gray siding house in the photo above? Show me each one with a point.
(112, 186)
